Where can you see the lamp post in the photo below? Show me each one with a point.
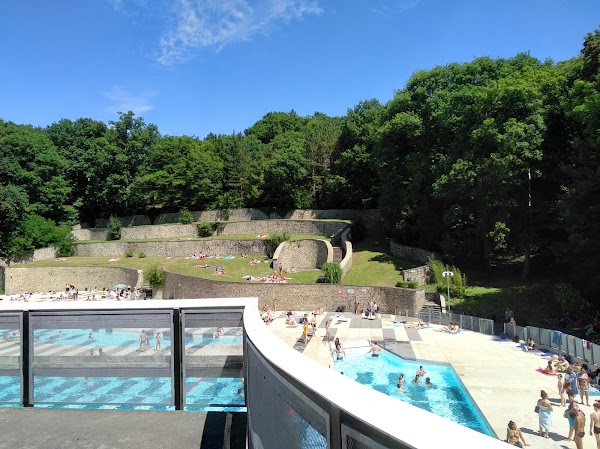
(448, 275)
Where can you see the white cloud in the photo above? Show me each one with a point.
(123, 101)
(396, 7)
(217, 23)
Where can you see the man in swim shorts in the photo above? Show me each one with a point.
(595, 423)
(375, 350)
(579, 426)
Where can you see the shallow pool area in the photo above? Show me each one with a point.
(447, 397)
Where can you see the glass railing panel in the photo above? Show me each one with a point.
(279, 415)
(10, 359)
(213, 351)
(101, 358)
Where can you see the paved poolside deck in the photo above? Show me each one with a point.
(501, 377)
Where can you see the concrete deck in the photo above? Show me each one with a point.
(501, 377)
(40, 428)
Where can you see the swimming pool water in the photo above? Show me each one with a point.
(201, 393)
(10, 389)
(123, 338)
(448, 398)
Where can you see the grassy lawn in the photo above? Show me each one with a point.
(531, 302)
(375, 268)
(234, 268)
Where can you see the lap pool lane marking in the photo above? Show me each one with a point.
(194, 385)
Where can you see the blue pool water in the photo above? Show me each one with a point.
(201, 393)
(448, 398)
(122, 338)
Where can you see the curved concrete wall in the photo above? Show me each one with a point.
(346, 262)
(54, 278)
(172, 248)
(303, 254)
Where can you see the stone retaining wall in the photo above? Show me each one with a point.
(419, 274)
(303, 254)
(54, 278)
(409, 252)
(288, 226)
(37, 254)
(172, 248)
(246, 214)
(297, 296)
(231, 228)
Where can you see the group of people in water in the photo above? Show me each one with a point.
(401, 382)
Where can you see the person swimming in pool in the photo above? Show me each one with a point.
(401, 383)
(375, 349)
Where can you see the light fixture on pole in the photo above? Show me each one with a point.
(448, 275)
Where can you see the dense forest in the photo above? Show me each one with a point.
(495, 158)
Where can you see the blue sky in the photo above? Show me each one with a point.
(199, 66)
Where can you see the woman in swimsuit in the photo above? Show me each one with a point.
(562, 392)
(514, 436)
(583, 381)
(544, 414)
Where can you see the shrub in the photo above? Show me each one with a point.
(274, 240)
(458, 282)
(185, 216)
(209, 228)
(66, 246)
(142, 255)
(155, 276)
(129, 252)
(570, 299)
(219, 226)
(407, 284)
(332, 272)
(114, 228)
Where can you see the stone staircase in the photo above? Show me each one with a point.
(337, 254)
(431, 308)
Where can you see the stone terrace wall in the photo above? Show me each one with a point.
(251, 214)
(215, 215)
(172, 248)
(140, 232)
(90, 234)
(410, 252)
(37, 254)
(231, 228)
(290, 226)
(297, 296)
(55, 278)
(303, 254)
(130, 220)
(419, 274)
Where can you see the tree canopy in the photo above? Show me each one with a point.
(478, 160)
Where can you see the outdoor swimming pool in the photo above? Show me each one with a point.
(448, 397)
(128, 338)
(201, 393)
